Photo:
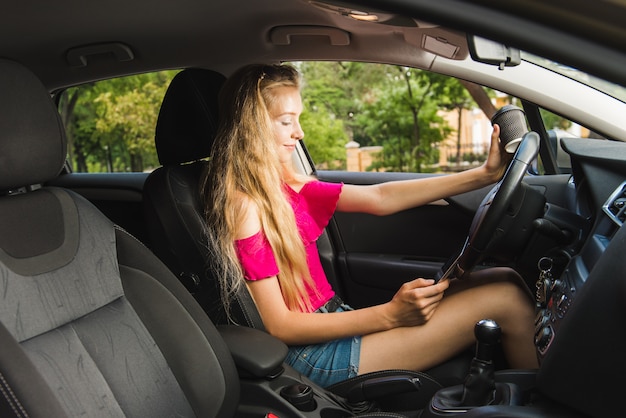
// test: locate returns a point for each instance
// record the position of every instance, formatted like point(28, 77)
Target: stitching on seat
point(250, 315)
point(246, 313)
point(12, 400)
point(125, 232)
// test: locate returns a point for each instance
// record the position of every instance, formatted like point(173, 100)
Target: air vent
point(615, 206)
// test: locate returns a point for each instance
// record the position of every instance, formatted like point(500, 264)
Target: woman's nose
point(298, 132)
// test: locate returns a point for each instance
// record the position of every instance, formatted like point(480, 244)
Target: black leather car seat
point(185, 130)
point(91, 323)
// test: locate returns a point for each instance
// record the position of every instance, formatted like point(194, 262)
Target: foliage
point(110, 124)
point(392, 106)
point(452, 97)
point(325, 137)
point(553, 121)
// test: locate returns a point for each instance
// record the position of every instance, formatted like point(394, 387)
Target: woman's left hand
point(498, 159)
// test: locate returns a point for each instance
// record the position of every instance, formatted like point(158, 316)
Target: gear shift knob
point(487, 333)
point(480, 386)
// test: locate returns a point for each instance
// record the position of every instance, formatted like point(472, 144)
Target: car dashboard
point(581, 285)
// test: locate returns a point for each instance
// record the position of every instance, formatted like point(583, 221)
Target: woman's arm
point(412, 305)
point(394, 196)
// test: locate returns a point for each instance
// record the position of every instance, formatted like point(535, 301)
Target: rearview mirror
point(493, 53)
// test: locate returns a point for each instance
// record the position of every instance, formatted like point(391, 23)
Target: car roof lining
point(141, 42)
point(174, 35)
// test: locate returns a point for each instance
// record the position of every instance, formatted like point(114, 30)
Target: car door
point(371, 256)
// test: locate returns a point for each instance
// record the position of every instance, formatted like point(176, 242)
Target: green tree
point(452, 96)
point(392, 106)
point(331, 93)
point(110, 124)
point(127, 122)
point(553, 121)
point(78, 114)
point(404, 120)
point(325, 137)
point(340, 88)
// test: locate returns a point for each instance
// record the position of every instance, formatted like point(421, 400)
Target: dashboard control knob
point(543, 338)
point(557, 286)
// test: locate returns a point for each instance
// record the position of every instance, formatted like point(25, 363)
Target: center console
point(564, 272)
point(272, 388)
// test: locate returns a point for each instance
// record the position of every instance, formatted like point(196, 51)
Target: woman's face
point(285, 114)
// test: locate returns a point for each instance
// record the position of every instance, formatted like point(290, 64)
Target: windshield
point(614, 90)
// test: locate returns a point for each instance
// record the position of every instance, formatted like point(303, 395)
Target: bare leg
point(498, 294)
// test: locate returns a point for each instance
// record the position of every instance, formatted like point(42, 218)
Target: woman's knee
point(506, 294)
point(506, 280)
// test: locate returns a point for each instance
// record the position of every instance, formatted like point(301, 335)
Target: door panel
point(382, 252)
point(374, 255)
point(118, 195)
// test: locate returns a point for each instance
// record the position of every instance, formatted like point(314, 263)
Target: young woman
point(265, 218)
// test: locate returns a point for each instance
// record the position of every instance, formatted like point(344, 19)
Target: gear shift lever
point(479, 387)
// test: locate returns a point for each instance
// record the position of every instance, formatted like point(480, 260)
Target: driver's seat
point(185, 130)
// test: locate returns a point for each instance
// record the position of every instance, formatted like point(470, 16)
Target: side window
point(110, 124)
point(557, 128)
point(376, 117)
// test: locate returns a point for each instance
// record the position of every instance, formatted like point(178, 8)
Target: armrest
point(378, 387)
point(256, 353)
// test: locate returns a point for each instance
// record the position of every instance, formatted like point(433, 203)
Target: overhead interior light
point(362, 16)
point(344, 9)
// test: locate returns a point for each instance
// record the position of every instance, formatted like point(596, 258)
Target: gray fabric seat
point(91, 322)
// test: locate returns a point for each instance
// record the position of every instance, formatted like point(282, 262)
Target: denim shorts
point(327, 363)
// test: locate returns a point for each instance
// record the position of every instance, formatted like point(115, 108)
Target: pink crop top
point(313, 208)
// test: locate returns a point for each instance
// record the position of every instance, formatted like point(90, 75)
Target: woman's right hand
point(415, 302)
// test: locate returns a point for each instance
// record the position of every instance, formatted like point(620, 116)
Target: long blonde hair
point(244, 160)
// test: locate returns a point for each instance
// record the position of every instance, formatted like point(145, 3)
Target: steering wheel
point(485, 227)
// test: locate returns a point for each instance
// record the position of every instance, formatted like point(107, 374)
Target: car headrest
point(188, 119)
point(32, 137)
